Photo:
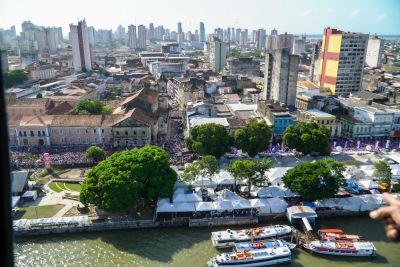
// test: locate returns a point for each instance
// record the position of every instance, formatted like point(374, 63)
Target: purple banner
point(358, 144)
point(387, 144)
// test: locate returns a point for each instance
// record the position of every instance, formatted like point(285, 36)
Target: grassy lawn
point(37, 212)
point(61, 186)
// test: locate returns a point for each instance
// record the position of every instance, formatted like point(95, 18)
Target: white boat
point(342, 248)
point(254, 254)
point(228, 238)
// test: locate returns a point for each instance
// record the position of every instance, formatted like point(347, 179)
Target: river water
point(182, 247)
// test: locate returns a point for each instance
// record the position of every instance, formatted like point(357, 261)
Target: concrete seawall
point(108, 225)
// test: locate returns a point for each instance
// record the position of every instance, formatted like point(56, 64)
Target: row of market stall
point(59, 221)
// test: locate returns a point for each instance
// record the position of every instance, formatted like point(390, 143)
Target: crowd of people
point(175, 147)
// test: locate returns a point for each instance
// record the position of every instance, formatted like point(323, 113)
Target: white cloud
point(354, 13)
point(381, 17)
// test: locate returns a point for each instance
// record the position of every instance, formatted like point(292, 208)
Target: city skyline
point(309, 16)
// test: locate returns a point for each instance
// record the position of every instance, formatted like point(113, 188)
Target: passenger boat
point(254, 254)
point(336, 234)
point(228, 238)
point(342, 248)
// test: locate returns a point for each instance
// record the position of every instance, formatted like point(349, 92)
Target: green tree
point(234, 53)
point(96, 153)
point(383, 172)
point(206, 167)
point(315, 180)
point(253, 138)
point(39, 95)
point(253, 171)
point(14, 77)
point(308, 137)
point(209, 139)
point(123, 178)
point(91, 107)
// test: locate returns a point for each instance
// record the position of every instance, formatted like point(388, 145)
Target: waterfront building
point(374, 52)
point(82, 60)
point(342, 61)
point(280, 74)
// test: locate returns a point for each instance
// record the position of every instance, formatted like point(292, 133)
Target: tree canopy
point(96, 153)
point(91, 107)
point(119, 181)
point(207, 166)
point(253, 138)
point(253, 171)
point(14, 77)
point(383, 172)
point(307, 137)
point(209, 139)
point(39, 95)
point(315, 180)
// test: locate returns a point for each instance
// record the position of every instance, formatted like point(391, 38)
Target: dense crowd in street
point(175, 147)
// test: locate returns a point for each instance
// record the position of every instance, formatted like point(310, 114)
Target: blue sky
point(294, 16)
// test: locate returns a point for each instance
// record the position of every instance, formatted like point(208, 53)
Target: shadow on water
point(159, 247)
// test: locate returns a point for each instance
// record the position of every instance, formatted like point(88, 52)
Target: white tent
point(367, 183)
point(204, 183)
point(327, 203)
point(368, 203)
point(368, 170)
point(222, 205)
point(186, 197)
point(227, 194)
point(350, 203)
point(165, 207)
point(275, 175)
point(205, 206)
point(277, 205)
point(225, 178)
point(262, 204)
point(162, 201)
point(270, 191)
point(184, 207)
point(241, 204)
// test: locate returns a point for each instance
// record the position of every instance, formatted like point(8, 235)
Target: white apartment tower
point(142, 36)
point(374, 52)
point(217, 55)
point(80, 47)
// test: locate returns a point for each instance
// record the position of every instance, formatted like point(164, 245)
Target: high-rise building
point(342, 61)
point(202, 32)
point(233, 36)
point(260, 39)
point(244, 36)
point(4, 60)
point(151, 32)
point(53, 38)
point(180, 28)
point(103, 36)
point(279, 41)
point(374, 52)
point(132, 37)
point(142, 36)
point(80, 47)
point(217, 56)
point(120, 33)
point(91, 35)
point(281, 70)
point(299, 45)
point(274, 32)
point(315, 51)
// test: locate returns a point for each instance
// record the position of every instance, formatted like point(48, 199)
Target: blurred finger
point(392, 234)
point(390, 199)
point(382, 213)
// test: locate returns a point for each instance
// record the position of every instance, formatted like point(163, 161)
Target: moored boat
point(337, 234)
point(253, 254)
point(229, 237)
point(342, 248)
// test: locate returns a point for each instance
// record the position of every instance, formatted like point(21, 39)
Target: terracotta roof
point(13, 120)
point(234, 122)
point(110, 120)
point(142, 116)
point(40, 120)
point(61, 108)
point(77, 120)
point(30, 102)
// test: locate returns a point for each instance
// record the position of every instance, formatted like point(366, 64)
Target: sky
point(292, 16)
